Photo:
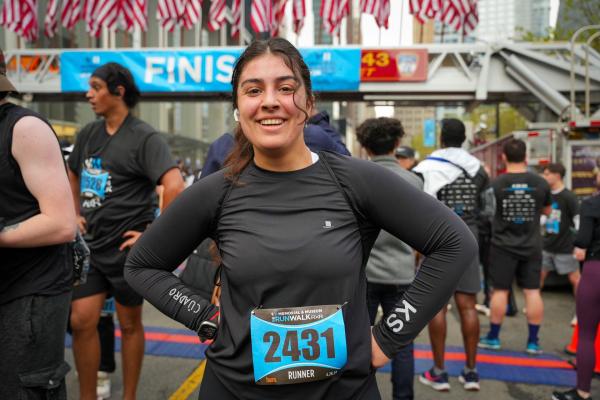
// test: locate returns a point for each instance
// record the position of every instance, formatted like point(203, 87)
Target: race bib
point(93, 184)
point(297, 345)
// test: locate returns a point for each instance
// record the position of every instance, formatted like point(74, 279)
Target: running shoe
point(533, 348)
point(491, 344)
point(482, 309)
point(568, 395)
point(574, 320)
point(437, 382)
point(103, 385)
point(469, 380)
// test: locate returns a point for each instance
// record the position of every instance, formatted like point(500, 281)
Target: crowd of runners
point(307, 268)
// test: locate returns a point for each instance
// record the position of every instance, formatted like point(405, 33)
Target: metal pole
point(587, 73)
point(572, 80)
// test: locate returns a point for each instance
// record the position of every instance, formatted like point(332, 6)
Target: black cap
point(405, 152)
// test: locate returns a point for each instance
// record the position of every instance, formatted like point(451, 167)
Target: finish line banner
point(157, 71)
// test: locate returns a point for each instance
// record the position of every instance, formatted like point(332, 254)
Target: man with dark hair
point(114, 168)
point(458, 180)
point(391, 266)
point(37, 219)
point(516, 244)
point(559, 228)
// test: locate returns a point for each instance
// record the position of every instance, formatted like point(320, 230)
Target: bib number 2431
point(300, 344)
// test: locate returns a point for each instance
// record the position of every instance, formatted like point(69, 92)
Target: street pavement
point(162, 377)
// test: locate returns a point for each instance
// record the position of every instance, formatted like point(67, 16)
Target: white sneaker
point(482, 309)
point(103, 385)
point(574, 320)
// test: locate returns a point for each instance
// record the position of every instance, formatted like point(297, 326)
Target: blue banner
point(429, 133)
point(198, 70)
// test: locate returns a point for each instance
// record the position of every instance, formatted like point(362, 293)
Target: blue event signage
point(202, 70)
point(429, 133)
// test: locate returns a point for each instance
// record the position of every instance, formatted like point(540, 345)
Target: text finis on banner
point(158, 71)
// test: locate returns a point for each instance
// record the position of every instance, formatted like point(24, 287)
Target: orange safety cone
point(571, 348)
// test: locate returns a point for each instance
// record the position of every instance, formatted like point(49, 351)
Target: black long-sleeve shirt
point(291, 239)
point(588, 236)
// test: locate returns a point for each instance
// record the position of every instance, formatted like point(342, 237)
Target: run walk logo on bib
point(95, 183)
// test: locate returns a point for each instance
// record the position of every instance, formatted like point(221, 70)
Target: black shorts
point(106, 276)
point(32, 347)
point(505, 266)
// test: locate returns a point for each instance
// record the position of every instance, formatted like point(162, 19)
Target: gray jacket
point(392, 261)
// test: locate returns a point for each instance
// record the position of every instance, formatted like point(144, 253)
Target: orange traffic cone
point(571, 348)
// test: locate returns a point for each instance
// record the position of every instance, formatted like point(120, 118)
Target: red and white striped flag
point(135, 13)
point(471, 20)
point(106, 16)
point(380, 9)
point(191, 13)
point(236, 18)
point(261, 15)
point(167, 13)
point(71, 12)
point(20, 16)
point(216, 15)
point(277, 16)
point(298, 14)
point(332, 12)
point(90, 10)
point(51, 20)
point(423, 10)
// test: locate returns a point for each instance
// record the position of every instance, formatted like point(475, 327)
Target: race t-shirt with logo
point(559, 229)
point(118, 175)
point(293, 318)
point(520, 199)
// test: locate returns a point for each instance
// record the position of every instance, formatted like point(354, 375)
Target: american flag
point(423, 10)
point(261, 15)
point(191, 13)
point(90, 10)
point(471, 19)
point(278, 13)
point(332, 12)
point(51, 20)
point(216, 15)
point(380, 9)
point(106, 15)
point(236, 18)
point(20, 16)
point(71, 12)
point(298, 14)
point(171, 13)
point(135, 13)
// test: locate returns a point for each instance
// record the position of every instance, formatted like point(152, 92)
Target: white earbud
point(236, 115)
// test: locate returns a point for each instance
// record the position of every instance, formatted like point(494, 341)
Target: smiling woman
point(294, 230)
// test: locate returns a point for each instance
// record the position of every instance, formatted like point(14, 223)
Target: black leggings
point(212, 388)
point(588, 318)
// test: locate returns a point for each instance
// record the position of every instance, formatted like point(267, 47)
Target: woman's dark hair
point(117, 75)
point(380, 135)
point(243, 152)
point(515, 151)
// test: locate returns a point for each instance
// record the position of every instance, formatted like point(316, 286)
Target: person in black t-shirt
point(37, 219)
point(560, 227)
point(294, 230)
point(516, 244)
point(114, 168)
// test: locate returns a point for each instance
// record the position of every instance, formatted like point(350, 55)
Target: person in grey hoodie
point(391, 265)
point(457, 179)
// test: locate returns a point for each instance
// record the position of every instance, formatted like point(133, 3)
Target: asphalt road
point(163, 376)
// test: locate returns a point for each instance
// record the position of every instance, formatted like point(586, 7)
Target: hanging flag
point(71, 12)
point(135, 13)
point(51, 20)
point(277, 16)
point(261, 15)
point(380, 9)
point(167, 13)
point(216, 15)
point(298, 14)
point(90, 10)
point(423, 10)
point(20, 16)
point(332, 12)
point(191, 13)
point(106, 15)
point(471, 20)
point(236, 18)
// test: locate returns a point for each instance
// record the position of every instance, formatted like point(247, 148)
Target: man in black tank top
point(114, 168)
point(37, 219)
